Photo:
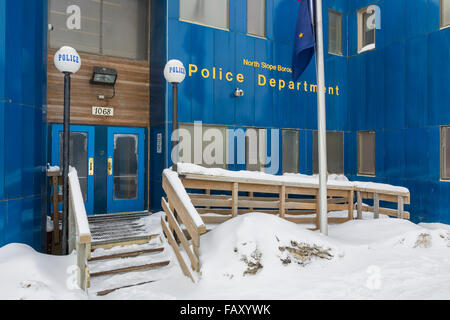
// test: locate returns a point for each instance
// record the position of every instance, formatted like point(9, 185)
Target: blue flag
point(304, 39)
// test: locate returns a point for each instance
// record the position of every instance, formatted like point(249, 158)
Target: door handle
point(91, 166)
point(109, 166)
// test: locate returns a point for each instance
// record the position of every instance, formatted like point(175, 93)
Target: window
point(115, 27)
point(445, 13)
point(205, 145)
point(256, 149)
point(366, 34)
point(78, 157)
point(445, 153)
point(334, 32)
point(366, 153)
point(212, 13)
point(256, 17)
point(335, 152)
point(125, 28)
point(125, 166)
point(290, 151)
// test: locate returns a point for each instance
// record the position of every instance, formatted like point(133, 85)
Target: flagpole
point(321, 119)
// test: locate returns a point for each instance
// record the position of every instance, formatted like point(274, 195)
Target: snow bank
point(334, 180)
point(27, 274)
point(261, 245)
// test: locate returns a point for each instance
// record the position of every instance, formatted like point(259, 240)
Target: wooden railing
point(79, 232)
point(55, 177)
point(183, 223)
point(379, 194)
point(219, 198)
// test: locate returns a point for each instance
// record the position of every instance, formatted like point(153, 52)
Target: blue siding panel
point(416, 90)
point(23, 55)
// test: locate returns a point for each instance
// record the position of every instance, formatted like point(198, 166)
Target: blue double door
point(110, 167)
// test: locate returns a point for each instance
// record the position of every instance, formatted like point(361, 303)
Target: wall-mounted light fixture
point(104, 76)
point(238, 92)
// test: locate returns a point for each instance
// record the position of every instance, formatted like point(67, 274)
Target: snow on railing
point(340, 192)
point(294, 179)
point(79, 232)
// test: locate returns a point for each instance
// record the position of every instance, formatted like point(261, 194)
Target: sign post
point(174, 72)
point(67, 61)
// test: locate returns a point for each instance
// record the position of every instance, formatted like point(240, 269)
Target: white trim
point(369, 47)
point(205, 25)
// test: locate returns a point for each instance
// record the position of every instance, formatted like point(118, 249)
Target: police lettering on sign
point(174, 72)
point(67, 59)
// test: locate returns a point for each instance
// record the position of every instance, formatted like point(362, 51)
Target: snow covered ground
point(27, 274)
point(259, 256)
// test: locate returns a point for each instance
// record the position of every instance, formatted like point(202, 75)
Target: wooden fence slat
point(400, 207)
point(317, 210)
point(300, 205)
point(359, 204)
point(350, 205)
point(174, 245)
point(179, 232)
point(282, 201)
point(250, 197)
point(215, 219)
point(259, 204)
point(387, 211)
point(212, 202)
point(376, 205)
point(235, 197)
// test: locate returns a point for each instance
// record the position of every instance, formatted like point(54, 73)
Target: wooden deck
point(217, 199)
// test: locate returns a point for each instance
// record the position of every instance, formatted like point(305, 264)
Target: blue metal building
point(399, 89)
point(393, 84)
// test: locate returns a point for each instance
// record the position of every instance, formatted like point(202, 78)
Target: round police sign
point(67, 59)
point(174, 72)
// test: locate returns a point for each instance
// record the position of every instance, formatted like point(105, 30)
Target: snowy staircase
point(125, 253)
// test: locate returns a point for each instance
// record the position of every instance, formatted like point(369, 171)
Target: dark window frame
point(265, 23)
point(147, 60)
point(441, 15)
point(443, 158)
point(314, 165)
point(361, 33)
point(340, 15)
point(207, 25)
point(184, 125)
point(359, 154)
point(297, 153)
point(261, 167)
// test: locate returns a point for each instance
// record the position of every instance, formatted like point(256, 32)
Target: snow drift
point(26, 274)
point(258, 244)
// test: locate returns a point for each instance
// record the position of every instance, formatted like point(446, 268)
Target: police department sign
point(174, 72)
point(67, 59)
